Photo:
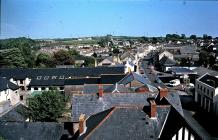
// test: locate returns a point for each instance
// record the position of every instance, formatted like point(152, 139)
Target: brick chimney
point(163, 92)
point(100, 90)
point(153, 109)
point(82, 124)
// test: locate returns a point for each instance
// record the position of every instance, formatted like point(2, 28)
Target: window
point(61, 88)
point(21, 97)
point(204, 89)
point(43, 88)
point(35, 88)
point(198, 86)
point(211, 93)
point(208, 92)
point(21, 81)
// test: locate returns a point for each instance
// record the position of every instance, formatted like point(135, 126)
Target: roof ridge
point(108, 115)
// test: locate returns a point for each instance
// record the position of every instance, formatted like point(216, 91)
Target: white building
point(206, 93)
point(8, 94)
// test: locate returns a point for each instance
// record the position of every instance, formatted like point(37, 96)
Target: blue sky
point(78, 18)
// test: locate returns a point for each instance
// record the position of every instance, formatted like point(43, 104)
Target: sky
point(80, 18)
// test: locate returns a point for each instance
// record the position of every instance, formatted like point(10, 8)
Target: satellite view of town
point(108, 70)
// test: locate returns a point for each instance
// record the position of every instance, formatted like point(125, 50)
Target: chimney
point(163, 92)
point(100, 90)
point(82, 124)
point(153, 109)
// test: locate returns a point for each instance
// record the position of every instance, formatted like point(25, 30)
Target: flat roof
point(182, 71)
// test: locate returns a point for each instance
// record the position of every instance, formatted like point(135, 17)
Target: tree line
point(23, 52)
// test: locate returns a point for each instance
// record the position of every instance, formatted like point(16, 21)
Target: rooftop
point(209, 80)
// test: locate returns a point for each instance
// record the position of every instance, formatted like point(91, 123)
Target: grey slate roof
point(201, 71)
point(14, 115)
point(127, 123)
point(22, 73)
point(90, 104)
point(167, 61)
point(6, 84)
point(116, 88)
point(93, 88)
point(133, 76)
point(178, 70)
point(32, 130)
point(111, 78)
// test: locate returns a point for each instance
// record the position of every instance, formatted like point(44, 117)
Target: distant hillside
point(16, 42)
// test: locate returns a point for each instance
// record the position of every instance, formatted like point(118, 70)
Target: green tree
point(194, 37)
point(212, 60)
point(46, 107)
point(116, 51)
point(44, 60)
point(63, 57)
point(203, 60)
point(73, 52)
point(12, 58)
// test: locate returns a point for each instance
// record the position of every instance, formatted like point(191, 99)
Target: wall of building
point(11, 95)
point(204, 95)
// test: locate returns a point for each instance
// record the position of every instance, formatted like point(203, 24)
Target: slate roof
point(14, 114)
point(111, 78)
point(90, 89)
point(6, 84)
point(133, 76)
point(209, 80)
point(126, 123)
point(201, 71)
point(32, 130)
point(167, 61)
point(181, 70)
point(90, 104)
point(82, 81)
point(116, 88)
point(22, 73)
point(51, 82)
point(127, 55)
point(188, 49)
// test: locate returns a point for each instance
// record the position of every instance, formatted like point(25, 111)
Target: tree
point(63, 57)
point(44, 60)
point(73, 52)
point(46, 107)
point(194, 37)
point(116, 51)
point(12, 58)
point(203, 60)
point(212, 60)
point(95, 55)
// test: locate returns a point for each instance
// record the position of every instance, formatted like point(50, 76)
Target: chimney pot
point(82, 124)
point(100, 91)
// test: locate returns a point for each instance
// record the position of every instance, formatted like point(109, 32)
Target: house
point(157, 118)
point(109, 61)
point(134, 81)
point(91, 104)
point(127, 56)
point(43, 79)
point(8, 94)
point(166, 63)
point(183, 73)
point(206, 93)
point(165, 53)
